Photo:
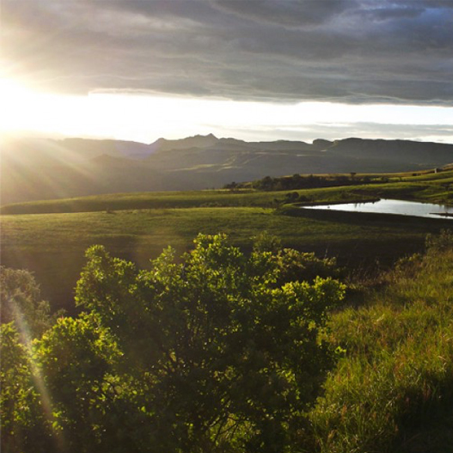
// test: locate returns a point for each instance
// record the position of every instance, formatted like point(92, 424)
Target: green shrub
point(216, 352)
point(22, 303)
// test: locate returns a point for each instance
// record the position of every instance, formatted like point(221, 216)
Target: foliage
point(295, 265)
point(21, 302)
point(53, 245)
point(24, 427)
point(297, 182)
point(223, 352)
point(24, 408)
point(438, 243)
point(291, 265)
point(75, 358)
point(215, 352)
point(265, 242)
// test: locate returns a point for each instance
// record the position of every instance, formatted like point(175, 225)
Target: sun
point(92, 115)
point(14, 101)
point(26, 110)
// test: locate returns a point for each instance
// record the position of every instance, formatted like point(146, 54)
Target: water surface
point(385, 206)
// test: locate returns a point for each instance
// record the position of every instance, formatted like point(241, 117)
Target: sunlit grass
point(426, 187)
point(50, 237)
point(53, 245)
point(393, 390)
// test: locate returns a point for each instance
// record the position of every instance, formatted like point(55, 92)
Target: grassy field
point(392, 391)
point(50, 237)
point(429, 187)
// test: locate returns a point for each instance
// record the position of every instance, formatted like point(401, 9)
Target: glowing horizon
point(145, 117)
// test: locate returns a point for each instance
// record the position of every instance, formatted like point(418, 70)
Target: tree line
point(297, 181)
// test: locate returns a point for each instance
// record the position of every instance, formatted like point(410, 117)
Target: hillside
point(49, 237)
point(346, 365)
point(391, 390)
point(36, 169)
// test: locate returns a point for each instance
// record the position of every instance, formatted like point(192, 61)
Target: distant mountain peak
point(194, 162)
point(321, 142)
point(199, 137)
point(196, 141)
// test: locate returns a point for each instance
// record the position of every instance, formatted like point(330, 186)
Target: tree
point(76, 357)
point(24, 424)
point(22, 303)
point(24, 316)
point(215, 352)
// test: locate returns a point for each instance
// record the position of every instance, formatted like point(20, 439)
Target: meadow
point(391, 390)
point(426, 186)
point(389, 387)
point(50, 237)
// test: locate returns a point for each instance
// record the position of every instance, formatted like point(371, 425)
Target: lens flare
point(38, 379)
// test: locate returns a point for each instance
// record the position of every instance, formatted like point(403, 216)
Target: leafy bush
point(22, 303)
point(24, 426)
point(215, 352)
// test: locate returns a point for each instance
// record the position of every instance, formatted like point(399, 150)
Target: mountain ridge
point(32, 169)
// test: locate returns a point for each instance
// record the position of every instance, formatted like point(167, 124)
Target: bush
point(215, 352)
point(22, 303)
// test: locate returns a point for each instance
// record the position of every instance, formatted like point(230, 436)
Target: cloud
point(294, 13)
point(354, 51)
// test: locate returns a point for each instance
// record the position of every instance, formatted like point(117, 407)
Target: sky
point(249, 69)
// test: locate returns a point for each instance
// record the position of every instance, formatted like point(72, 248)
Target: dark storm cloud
point(384, 14)
point(293, 13)
point(353, 51)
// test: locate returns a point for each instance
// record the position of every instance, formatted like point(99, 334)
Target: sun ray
point(147, 116)
point(38, 379)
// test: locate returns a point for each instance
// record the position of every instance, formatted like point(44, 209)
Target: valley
point(38, 169)
point(50, 237)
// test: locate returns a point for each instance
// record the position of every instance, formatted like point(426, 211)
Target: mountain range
point(37, 168)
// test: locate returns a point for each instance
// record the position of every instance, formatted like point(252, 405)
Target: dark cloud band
point(354, 51)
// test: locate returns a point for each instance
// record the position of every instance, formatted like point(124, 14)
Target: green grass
point(145, 200)
point(433, 187)
point(50, 237)
point(177, 227)
point(53, 245)
point(393, 390)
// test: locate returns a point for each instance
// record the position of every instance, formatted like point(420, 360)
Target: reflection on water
point(393, 207)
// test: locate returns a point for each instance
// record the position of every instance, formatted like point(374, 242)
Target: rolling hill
point(35, 169)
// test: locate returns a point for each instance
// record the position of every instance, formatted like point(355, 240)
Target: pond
point(385, 206)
